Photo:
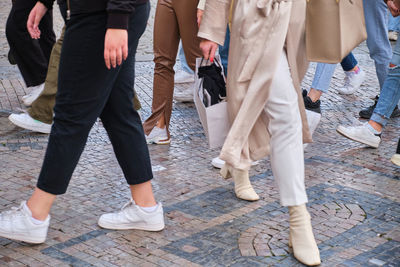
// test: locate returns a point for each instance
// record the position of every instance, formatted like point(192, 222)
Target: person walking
point(174, 20)
point(39, 116)
point(266, 65)
point(370, 132)
point(32, 56)
point(94, 70)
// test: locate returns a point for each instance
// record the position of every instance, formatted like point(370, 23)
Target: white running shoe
point(360, 134)
point(219, 163)
point(132, 216)
point(33, 95)
point(352, 82)
point(182, 76)
point(158, 136)
point(25, 121)
point(17, 224)
point(185, 95)
point(393, 35)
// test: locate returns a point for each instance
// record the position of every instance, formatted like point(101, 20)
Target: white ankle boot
point(301, 237)
point(243, 188)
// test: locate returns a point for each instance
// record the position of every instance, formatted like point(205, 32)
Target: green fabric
point(42, 107)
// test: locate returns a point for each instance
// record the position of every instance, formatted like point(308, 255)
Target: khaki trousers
point(42, 107)
point(174, 20)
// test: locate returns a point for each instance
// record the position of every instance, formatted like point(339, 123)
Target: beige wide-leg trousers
point(286, 138)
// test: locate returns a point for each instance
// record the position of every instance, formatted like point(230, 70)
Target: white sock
point(33, 220)
point(149, 209)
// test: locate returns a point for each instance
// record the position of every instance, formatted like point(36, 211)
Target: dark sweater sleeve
point(119, 12)
point(47, 3)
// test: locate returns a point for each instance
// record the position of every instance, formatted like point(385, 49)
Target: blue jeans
point(223, 52)
point(394, 23)
point(324, 72)
point(376, 20)
point(390, 93)
point(182, 59)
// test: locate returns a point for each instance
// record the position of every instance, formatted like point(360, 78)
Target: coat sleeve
point(47, 3)
point(118, 13)
point(215, 20)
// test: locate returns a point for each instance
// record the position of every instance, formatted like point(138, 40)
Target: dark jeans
point(32, 56)
point(349, 62)
point(88, 90)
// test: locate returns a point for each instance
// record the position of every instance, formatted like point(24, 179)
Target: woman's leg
point(186, 14)
point(287, 161)
point(166, 42)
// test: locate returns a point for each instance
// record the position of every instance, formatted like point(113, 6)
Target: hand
point(393, 9)
point(208, 48)
point(199, 16)
point(115, 47)
point(36, 15)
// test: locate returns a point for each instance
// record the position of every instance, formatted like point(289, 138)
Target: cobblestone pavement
point(353, 191)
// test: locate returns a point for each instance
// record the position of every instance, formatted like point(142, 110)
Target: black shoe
point(367, 113)
point(310, 105)
point(398, 147)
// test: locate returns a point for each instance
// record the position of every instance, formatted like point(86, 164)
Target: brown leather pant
point(174, 20)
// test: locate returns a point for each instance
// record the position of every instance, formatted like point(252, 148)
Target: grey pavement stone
point(353, 190)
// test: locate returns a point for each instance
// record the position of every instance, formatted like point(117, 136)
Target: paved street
point(353, 191)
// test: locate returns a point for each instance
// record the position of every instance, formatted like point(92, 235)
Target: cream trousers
point(285, 129)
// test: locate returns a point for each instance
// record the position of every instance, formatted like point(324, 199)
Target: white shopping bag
point(214, 119)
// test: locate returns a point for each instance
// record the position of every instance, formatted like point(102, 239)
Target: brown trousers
point(174, 20)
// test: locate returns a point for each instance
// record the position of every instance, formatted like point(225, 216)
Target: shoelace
point(127, 204)
point(13, 212)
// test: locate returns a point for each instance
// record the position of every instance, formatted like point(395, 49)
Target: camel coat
point(261, 29)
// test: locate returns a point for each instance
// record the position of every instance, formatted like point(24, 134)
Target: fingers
point(107, 58)
point(125, 52)
point(33, 25)
point(212, 52)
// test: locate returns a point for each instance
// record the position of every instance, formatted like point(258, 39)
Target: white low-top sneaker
point(360, 134)
point(352, 82)
point(185, 95)
point(182, 76)
point(132, 216)
point(33, 95)
point(25, 121)
point(17, 224)
point(158, 136)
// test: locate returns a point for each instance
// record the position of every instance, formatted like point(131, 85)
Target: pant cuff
point(379, 119)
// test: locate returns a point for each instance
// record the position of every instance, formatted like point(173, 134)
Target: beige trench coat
point(260, 30)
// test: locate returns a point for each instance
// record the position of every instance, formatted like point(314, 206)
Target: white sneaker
point(158, 136)
point(360, 134)
point(182, 76)
point(185, 95)
point(33, 95)
point(393, 35)
point(352, 82)
point(25, 121)
point(17, 224)
point(132, 216)
point(219, 163)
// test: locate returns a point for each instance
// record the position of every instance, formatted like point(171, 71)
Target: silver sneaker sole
point(25, 238)
point(132, 226)
point(40, 129)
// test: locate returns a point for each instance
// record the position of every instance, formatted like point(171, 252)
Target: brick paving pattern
point(353, 190)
